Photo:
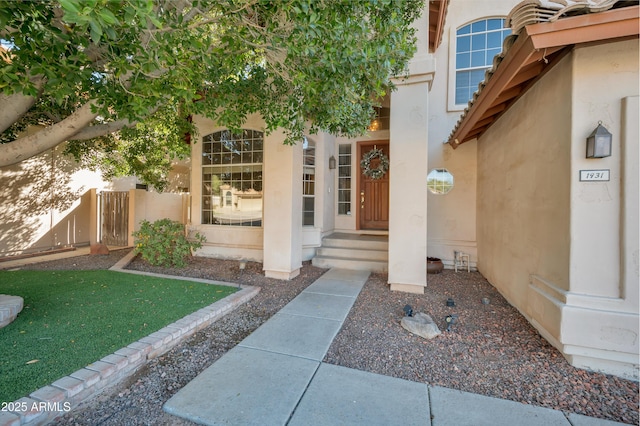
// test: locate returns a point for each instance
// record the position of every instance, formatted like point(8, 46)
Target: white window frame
point(309, 180)
point(451, 90)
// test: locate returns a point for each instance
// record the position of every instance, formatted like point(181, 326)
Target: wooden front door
point(373, 193)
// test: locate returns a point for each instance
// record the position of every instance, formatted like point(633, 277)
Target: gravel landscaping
point(490, 350)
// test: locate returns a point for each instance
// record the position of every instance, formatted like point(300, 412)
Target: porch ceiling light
point(599, 142)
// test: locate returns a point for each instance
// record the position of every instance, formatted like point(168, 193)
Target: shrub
point(164, 243)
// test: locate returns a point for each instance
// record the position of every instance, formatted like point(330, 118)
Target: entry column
point(408, 172)
point(282, 226)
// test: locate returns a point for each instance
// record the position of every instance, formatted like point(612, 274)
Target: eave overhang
point(437, 16)
point(534, 52)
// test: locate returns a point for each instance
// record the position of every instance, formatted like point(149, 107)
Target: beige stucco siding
point(451, 217)
point(603, 76)
point(45, 202)
point(560, 249)
point(524, 190)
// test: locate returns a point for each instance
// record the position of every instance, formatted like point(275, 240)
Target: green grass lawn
point(73, 318)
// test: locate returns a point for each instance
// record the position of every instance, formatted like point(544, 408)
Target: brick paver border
point(63, 395)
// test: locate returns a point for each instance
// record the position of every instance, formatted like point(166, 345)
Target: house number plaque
point(594, 175)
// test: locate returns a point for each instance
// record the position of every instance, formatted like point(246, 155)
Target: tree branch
point(29, 146)
point(13, 107)
point(98, 130)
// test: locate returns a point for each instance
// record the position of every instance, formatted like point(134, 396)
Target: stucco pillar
point(408, 171)
point(282, 226)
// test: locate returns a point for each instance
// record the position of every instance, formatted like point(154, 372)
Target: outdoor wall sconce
point(332, 162)
point(599, 142)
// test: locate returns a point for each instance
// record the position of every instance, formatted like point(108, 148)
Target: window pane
point(344, 195)
point(463, 44)
point(307, 219)
point(463, 60)
point(478, 59)
point(494, 40)
point(462, 78)
point(464, 30)
point(479, 26)
point(344, 149)
point(495, 24)
point(479, 41)
point(463, 95)
point(232, 195)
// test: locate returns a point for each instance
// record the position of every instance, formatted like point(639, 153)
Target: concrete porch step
point(354, 264)
point(356, 241)
point(363, 252)
point(353, 253)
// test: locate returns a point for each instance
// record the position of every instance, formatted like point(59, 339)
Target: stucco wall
point(45, 203)
point(451, 217)
point(603, 76)
point(553, 245)
point(524, 190)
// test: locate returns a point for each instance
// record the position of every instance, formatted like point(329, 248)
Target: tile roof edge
point(542, 14)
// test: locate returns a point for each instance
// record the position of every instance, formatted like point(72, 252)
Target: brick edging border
point(63, 395)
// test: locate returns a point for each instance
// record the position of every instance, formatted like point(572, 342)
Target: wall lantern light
point(332, 162)
point(599, 142)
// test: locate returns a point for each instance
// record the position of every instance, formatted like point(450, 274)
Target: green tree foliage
point(84, 69)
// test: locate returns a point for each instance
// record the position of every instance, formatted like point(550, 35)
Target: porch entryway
point(365, 252)
point(373, 211)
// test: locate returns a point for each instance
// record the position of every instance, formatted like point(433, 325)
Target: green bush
point(164, 243)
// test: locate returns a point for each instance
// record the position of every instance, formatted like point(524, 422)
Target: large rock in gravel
point(10, 306)
point(422, 325)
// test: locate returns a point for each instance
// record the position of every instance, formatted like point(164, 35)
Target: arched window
point(475, 46)
point(232, 178)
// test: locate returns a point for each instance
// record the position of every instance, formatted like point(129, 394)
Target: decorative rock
point(99, 248)
point(10, 306)
point(422, 325)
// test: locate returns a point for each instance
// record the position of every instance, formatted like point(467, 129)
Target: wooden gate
point(115, 218)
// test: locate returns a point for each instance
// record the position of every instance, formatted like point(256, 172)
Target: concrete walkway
point(276, 377)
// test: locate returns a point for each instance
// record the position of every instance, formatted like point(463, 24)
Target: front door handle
point(362, 199)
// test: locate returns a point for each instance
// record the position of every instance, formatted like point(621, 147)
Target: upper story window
point(475, 46)
point(232, 178)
